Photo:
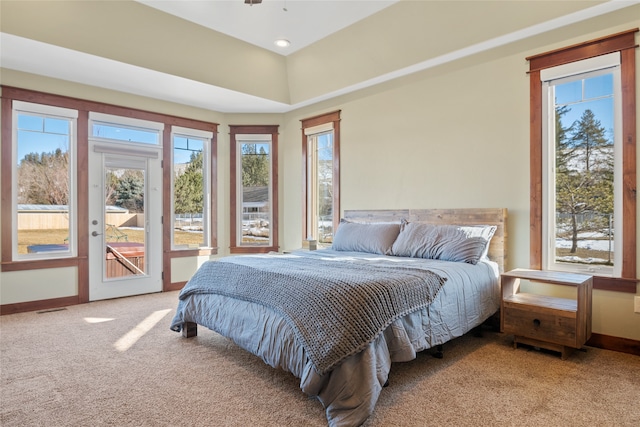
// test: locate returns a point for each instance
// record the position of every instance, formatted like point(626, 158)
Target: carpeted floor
point(116, 363)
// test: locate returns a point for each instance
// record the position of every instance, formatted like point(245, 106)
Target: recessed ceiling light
point(282, 43)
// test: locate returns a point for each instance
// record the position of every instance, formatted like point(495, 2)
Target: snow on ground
point(585, 243)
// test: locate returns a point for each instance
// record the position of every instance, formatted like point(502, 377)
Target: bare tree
point(43, 178)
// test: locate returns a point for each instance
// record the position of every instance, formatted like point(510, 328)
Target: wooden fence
point(60, 220)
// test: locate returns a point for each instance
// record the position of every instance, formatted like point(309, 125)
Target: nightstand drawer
point(554, 326)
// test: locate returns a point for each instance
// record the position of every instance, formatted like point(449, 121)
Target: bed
point(394, 283)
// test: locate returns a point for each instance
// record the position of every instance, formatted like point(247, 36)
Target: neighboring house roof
point(255, 195)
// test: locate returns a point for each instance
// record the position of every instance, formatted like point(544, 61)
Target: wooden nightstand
point(557, 324)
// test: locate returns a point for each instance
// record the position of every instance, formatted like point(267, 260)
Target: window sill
point(615, 284)
point(40, 264)
point(252, 249)
point(178, 253)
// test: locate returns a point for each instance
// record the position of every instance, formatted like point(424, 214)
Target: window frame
point(236, 179)
point(332, 118)
point(624, 43)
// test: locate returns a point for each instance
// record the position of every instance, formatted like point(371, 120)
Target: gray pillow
point(445, 242)
point(417, 240)
point(482, 232)
point(375, 238)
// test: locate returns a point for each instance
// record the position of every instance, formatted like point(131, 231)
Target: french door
point(125, 220)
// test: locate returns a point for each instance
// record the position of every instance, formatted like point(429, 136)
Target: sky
point(46, 134)
point(595, 93)
point(31, 138)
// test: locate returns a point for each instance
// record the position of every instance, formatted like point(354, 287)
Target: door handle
point(95, 233)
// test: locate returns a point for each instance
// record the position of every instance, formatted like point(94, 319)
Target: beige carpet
point(116, 363)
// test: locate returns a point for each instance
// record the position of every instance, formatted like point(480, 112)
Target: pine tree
point(589, 139)
point(189, 187)
point(130, 191)
point(584, 175)
point(564, 153)
point(255, 166)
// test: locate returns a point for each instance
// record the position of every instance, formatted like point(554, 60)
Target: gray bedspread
point(349, 392)
point(334, 309)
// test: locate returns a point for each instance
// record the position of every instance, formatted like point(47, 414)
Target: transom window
point(125, 129)
point(124, 133)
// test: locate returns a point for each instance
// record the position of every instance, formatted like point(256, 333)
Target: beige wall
point(453, 136)
point(406, 33)
point(133, 33)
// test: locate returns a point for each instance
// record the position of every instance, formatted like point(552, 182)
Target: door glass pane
point(43, 188)
point(188, 192)
point(256, 206)
point(124, 233)
point(320, 191)
point(584, 172)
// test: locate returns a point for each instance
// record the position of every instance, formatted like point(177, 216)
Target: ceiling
point(302, 22)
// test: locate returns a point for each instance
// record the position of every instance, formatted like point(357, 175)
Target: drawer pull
point(536, 322)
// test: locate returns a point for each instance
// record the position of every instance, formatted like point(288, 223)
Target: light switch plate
point(636, 308)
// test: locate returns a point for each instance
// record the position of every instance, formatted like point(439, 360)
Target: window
point(191, 185)
point(583, 161)
point(44, 199)
point(124, 133)
point(254, 183)
point(320, 150)
point(582, 166)
point(33, 122)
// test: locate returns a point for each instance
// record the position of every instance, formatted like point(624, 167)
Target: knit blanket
point(334, 308)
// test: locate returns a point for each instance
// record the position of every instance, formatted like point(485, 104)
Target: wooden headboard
point(462, 216)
